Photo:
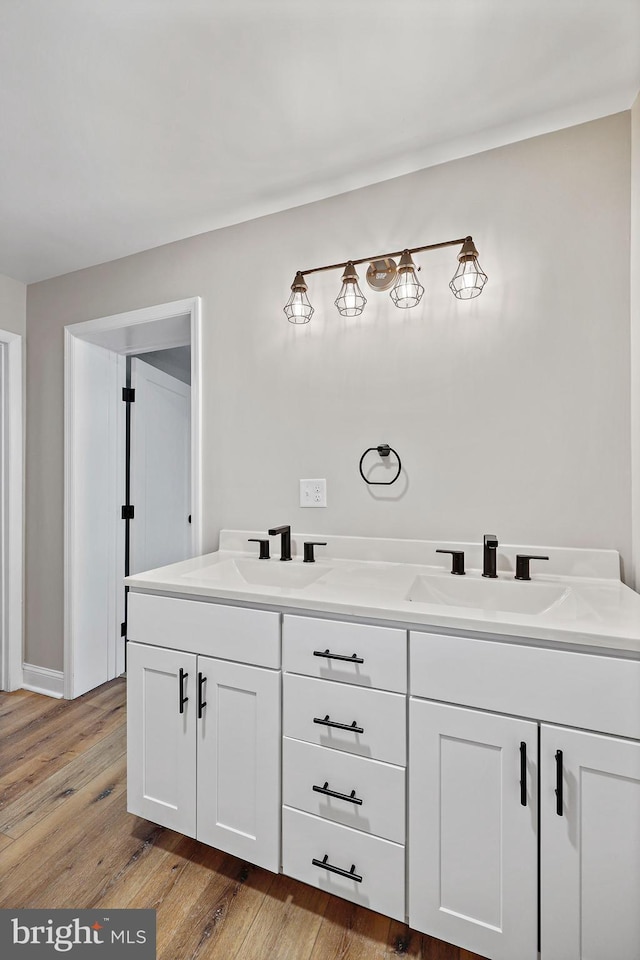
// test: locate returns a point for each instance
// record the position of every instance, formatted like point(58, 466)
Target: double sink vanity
point(455, 750)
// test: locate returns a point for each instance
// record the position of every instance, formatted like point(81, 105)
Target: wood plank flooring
point(66, 840)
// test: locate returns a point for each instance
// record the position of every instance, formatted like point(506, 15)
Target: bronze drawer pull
point(350, 874)
point(354, 658)
point(339, 726)
point(182, 697)
point(339, 796)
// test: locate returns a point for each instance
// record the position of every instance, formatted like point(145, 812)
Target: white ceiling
point(125, 124)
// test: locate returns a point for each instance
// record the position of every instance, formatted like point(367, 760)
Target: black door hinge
point(123, 628)
point(128, 394)
point(127, 512)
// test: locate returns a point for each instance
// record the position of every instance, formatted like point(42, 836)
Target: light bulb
point(298, 309)
point(350, 301)
point(407, 290)
point(469, 278)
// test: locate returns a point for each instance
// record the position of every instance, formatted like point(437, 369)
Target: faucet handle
point(264, 547)
point(522, 565)
point(457, 561)
point(308, 550)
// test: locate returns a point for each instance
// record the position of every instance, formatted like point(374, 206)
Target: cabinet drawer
point(379, 863)
point(560, 686)
point(311, 706)
point(212, 629)
point(313, 647)
point(379, 786)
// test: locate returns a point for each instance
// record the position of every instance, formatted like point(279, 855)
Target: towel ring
point(384, 450)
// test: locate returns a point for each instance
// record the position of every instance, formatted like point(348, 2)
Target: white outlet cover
point(313, 493)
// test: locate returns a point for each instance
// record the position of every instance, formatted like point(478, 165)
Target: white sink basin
point(292, 574)
point(495, 596)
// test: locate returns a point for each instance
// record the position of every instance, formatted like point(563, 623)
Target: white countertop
point(577, 595)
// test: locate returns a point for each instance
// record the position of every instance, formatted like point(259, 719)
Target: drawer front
point(313, 647)
point(379, 863)
point(380, 788)
point(560, 686)
point(212, 629)
point(311, 706)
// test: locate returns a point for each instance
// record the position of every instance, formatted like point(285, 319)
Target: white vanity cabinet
point(344, 760)
point(473, 824)
point(514, 788)
point(204, 734)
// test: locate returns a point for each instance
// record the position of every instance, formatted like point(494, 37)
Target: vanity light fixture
point(383, 273)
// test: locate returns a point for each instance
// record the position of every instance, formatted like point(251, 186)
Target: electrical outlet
point(313, 493)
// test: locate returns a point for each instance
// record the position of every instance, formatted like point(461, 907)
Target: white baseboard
point(43, 680)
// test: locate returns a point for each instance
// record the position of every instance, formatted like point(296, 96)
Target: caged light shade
point(407, 290)
point(298, 309)
point(469, 278)
point(350, 301)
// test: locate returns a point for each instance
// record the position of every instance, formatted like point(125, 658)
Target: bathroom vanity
point(459, 753)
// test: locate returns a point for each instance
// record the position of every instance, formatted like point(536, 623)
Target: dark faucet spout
point(285, 540)
point(489, 557)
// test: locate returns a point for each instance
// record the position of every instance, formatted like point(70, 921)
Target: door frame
point(137, 331)
point(11, 504)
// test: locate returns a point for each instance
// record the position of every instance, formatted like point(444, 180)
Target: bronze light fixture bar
point(384, 256)
point(383, 273)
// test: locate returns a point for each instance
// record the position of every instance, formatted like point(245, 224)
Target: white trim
point(69, 525)
point(196, 426)
point(43, 680)
point(632, 576)
point(103, 331)
point(116, 666)
point(12, 496)
point(90, 329)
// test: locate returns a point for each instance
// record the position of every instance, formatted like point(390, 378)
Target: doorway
point(98, 354)
point(158, 458)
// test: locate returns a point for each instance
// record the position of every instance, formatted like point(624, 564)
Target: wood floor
point(66, 840)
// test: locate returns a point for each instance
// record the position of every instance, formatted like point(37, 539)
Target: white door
point(590, 846)
point(473, 829)
point(94, 547)
point(239, 760)
point(160, 532)
point(161, 736)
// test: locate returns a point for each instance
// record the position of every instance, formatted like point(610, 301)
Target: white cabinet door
point(472, 841)
point(161, 736)
point(239, 761)
point(590, 846)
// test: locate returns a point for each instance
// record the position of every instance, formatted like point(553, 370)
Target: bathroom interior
point(364, 679)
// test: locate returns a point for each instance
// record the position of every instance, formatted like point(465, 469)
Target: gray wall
point(13, 305)
point(175, 361)
point(511, 411)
